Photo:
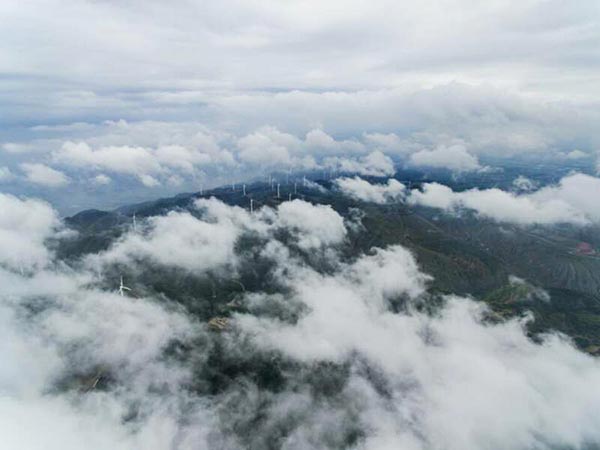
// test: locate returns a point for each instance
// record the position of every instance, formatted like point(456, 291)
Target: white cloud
point(375, 164)
point(267, 146)
point(181, 240)
point(148, 180)
point(318, 141)
point(577, 190)
point(315, 225)
point(121, 159)
point(445, 377)
point(571, 201)
point(193, 154)
point(454, 157)
point(147, 164)
point(361, 189)
point(577, 154)
point(102, 179)
point(524, 184)
point(84, 334)
point(24, 227)
point(44, 175)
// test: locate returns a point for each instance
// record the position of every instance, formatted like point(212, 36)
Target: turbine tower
point(278, 196)
point(251, 206)
point(134, 224)
point(244, 188)
point(123, 288)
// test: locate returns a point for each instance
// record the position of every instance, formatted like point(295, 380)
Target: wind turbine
point(304, 181)
point(295, 188)
point(278, 196)
point(134, 224)
point(123, 288)
point(290, 197)
point(233, 187)
point(251, 205)
point(244, 188)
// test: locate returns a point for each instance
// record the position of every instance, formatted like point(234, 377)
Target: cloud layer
point(126, 372)
point(570, 201)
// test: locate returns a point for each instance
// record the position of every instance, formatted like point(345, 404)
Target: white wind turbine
point(244, 188)
point(278, 196)
point(134, 224)
point(123, 288)
point(251, 205)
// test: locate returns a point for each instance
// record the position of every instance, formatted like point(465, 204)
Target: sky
point(171, 97)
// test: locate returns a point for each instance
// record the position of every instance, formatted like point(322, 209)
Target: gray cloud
point(44, 175)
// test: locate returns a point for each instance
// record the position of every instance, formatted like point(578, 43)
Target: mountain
point(465, 254)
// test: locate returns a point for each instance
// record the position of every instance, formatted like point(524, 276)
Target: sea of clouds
point(365, 358)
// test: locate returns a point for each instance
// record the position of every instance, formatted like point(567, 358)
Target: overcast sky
point(501, 77)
